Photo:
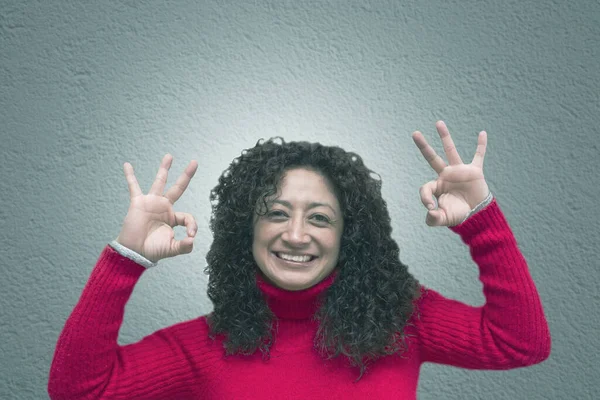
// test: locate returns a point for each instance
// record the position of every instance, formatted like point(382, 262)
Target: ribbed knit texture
point(181, 362)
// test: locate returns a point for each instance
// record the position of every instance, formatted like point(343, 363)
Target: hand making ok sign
point(148, 226)
point(459, 187)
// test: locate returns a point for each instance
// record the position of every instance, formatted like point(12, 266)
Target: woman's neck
point(290, 304)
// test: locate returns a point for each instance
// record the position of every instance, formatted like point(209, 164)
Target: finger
point(480, 152)
point(175, 191)
point(132, 183)
point(427, 192)
point(436, 162)
point(187, 220)
point(448, 143)
point(161, 176)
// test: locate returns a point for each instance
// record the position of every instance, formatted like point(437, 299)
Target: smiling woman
point(288, 199)
point(297, 242)
point(310, 297)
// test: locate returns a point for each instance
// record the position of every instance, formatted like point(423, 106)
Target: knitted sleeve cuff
point(132, 255)
point(479, 206)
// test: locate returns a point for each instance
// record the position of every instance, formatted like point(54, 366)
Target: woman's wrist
point(132, 255)
point(479, 206)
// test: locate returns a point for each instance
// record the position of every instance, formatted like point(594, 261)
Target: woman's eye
point(321, 218)
point(276, 214)
point(279, 215)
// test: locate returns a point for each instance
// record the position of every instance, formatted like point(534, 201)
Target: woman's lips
point(295, 263)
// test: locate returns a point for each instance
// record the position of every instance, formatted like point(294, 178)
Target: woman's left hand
point(459, 187)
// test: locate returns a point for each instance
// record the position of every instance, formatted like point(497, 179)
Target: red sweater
point(181, 362)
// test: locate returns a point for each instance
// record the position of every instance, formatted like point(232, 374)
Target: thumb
point(183, 246)
point(434, 217)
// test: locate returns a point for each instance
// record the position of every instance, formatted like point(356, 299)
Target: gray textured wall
point(85, 86)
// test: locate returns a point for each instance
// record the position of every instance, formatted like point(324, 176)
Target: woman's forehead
point(301, 182)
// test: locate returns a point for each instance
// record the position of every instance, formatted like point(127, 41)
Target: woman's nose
point(295, 232)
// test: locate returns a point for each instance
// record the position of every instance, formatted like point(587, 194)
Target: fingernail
point(430, 206)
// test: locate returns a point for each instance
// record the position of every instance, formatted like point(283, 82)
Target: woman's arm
point(89, 364)
point(510, 330)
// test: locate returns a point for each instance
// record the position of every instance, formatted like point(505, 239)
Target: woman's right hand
point(148, 226)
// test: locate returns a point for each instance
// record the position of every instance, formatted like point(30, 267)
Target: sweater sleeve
point(510, 329)
point(88, 362)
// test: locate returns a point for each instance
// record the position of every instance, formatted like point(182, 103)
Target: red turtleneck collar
point(300, 304)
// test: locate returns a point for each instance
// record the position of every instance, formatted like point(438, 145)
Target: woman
point(310, 297)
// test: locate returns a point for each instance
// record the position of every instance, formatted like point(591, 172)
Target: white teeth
point(294, 258)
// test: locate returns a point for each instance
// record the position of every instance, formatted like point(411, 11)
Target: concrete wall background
point(85, 86)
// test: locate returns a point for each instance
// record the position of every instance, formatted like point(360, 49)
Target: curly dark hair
point(365, 310)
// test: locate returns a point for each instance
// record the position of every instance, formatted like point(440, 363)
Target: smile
point(299, 260)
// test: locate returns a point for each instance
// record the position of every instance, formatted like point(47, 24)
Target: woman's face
point(297, 243)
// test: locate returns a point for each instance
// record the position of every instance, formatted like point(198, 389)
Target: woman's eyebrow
point(310, 205)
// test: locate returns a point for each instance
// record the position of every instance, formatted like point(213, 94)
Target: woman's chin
point(296, 281)
point(293, 285)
